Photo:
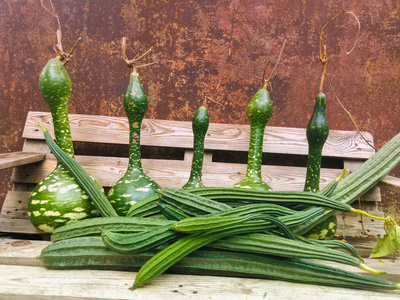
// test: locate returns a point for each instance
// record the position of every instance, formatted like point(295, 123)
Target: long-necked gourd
point(259, 111)
point(317, 133)
point(58, 199)
point(199, 126)
point(135, 185)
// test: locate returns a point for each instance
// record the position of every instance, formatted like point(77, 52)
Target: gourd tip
point(373, 271)
point(41, 126)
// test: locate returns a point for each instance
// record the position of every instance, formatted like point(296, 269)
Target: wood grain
point(13, 159)
point(390, 183)
point(174, 173)
point(22, 277)
point(178, 134)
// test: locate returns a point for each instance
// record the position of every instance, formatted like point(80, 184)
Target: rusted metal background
point(206, 48)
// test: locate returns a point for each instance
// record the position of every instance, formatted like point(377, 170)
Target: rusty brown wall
point(206, 49)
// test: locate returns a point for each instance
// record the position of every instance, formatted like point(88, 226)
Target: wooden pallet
point(225, 145)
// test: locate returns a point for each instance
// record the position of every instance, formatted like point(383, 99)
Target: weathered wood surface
point(174, 173)
point(178, 134)
point(23, 277)
point(391, 183)
point(13, 159)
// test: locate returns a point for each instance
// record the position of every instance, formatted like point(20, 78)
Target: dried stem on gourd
point(266, 82)
point(131, 62)
point(349, 114)
point(65, 57)
point(323, 57)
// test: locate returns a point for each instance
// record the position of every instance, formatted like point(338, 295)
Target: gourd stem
point(368, 215)
point(371, 270)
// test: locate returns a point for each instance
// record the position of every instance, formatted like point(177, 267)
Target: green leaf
point(388, 244)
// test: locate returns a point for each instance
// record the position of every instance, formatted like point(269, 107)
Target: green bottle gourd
point(317, 133)
point(58, 199)
point(259, 111)
point(200, 126)
point(135, 185)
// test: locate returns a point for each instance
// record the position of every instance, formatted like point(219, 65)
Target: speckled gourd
point(317, 133)
point(200, 126)
point(58, 199)
point(259, 111)
point(135, 185)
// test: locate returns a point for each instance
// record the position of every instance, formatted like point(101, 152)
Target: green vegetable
point(191, 204)
point(138, 242)
point(217, 222)
point(58, 199)
point(294, 270)
point(333, 244)
point(276, 197)
point(279, 246)
point(171, 212)
point(135, 185)
point(84, 180)
point(145, 208)
point(259, 111)
point(200, 127)
point(90, 253)
point(116, 224)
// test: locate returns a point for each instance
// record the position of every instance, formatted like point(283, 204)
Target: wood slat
point(233, 137)
point(23, 277)
point(13, 159)
point(390, 183)
point(173, 173)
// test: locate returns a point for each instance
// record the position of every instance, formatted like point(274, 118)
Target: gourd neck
point(254, 160)
point(313, 170)
point(135, 157)
point(62, 129)
point(198, 157)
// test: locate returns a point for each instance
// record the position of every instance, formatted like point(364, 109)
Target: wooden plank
point(20, 282)
point(349, 224)
point(189, 156)
point(390, 183)
point(17, 226)
point(233, 137)
point(174, 173)
point(21, 252)
point(13, 159)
